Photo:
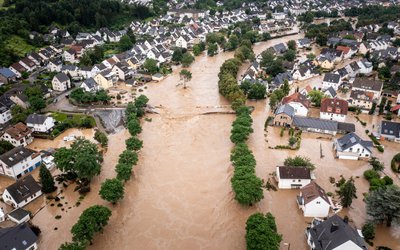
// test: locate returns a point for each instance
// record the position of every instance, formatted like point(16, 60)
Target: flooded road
point(181, 196)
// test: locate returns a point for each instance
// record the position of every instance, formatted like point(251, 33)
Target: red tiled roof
point(297, 97)
point(335, 106)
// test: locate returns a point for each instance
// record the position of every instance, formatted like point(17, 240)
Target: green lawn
point(18, 45)
point(61, 117)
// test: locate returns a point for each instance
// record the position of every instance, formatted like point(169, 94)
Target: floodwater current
point(181, 196)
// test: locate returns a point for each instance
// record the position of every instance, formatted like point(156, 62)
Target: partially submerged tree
point(134, 143)
point(383, 205)
point(112, 190)
point(185, 76)
point(124, 171)
point(347, 192)
point(299, 161)
point(46, 180)
point(261, 232)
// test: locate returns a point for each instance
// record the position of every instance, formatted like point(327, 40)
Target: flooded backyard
point(181, 196)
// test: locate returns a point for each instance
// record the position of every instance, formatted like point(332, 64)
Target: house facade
point(40, 123)
point(22, 192)
point(352, 147)
point(292, 177)
point(5, 114)
point(19, 237)
point(334, 109)
point(61, 82)
point(368, 85)
point(18, 135)
point(283, 116)
point(19, 161)
point(298, 102)
point(314, 201)
point(390, 130)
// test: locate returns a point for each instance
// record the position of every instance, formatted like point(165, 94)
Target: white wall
point(8, 199)
point(316, 208)
point(288, 183)
point(22, 167)
point(333, 117)
point(299, 108)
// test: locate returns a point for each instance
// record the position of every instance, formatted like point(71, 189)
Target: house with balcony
point(19, 161)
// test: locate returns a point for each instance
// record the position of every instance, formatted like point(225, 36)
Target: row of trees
point(262, 233)
point(246, 185)
point(84, 97)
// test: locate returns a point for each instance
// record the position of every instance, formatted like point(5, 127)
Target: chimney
point(334, 227)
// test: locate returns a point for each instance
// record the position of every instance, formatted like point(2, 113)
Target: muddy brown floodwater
point(181, 196)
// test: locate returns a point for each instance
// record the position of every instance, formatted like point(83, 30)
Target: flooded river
point(181, 196)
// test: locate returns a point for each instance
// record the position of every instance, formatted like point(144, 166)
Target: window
point(299, 180)
point(318, 202)
point(293, 180)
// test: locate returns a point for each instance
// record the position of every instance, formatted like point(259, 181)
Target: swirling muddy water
point(180, 196)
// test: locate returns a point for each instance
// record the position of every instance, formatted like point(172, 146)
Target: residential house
point(352, 147)
point(390, 130)
point(28, 64)
point(280, 48)
point(19, 237)
point(279, 80)
point(303, 43)
point(330, 92)
point(331, 80)
point(19, 216)
point(299, 102)
point(303, 73)
point(306, 90)
point(5, 114)
point(106, 79)
point(90, 85)
point(334, 109)
point(361, 99)
point(368, 85)
point(322, 126)
point(55, 65)
point(72, 71)
point(40, 123)
point(20, 99)
point(334, 233)
point(61, 82)
point(18, 135)
point(293, 177)
point(22, 192)
point(122, 70)
point(326, 63)
point(70, 56)
point(181, 42)
point(19, 161)
point(314, 201)
point(18, 69)
point(284, 115)
point(7, 76)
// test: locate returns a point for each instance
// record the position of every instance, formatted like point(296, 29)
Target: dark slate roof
point(334, 232)
point(18, 214)
point(23, 188)
point(19, 237)
point(390, 128)
point(90, 83)
point(331, 91)
point(285, 109)
point(342, 72)
point(351, 139)
point(315, 123)
point(16, 155)
point(367, 84)
point(332, 78)
point(294, 173)
point(346, 127)
point(62, 77)
point(36, 119)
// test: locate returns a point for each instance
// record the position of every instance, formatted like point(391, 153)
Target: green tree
point(347, 192)
point(5, 146)
point(299, 161)
point(261, 232)
point(81, 245)
point(316, 97)
point(290, 55)
point(247, 187)
point(291, 45)
point(46, 180)
point(134, 127)
point(383, 205)
point(286, 88)
point(112, 190)
point(186, 76)
point(376, 164)
point(131, 36)
point(125, 43)
point(124, 171)
point(83, 158)
point(91, 221)
point(257, 91)
point(37, 103)
point(212, 49)
point(311, 56)
point(134, 143)
point(128, 157)
point(151, 65)
point(177, 55)
point(198, 48)
point(368, 231)
point(101, 138)
point(187, 59)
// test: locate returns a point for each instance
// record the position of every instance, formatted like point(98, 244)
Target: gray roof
point(367, 84)
point(332, 78)
point(16, 155)
point(23, 188)
point(390, 128)
point(347, 141)
point(334, 232)
point(294, 173)
point(36, 119)
point(315, 123)
point(285, 109)
point(90, 83)
point(346, 127)
point(331, 91)
point(18, 213)
point(19, 237)
point(62, 77)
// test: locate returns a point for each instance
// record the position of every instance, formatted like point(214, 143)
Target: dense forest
point(374, 14)
point(19, 18)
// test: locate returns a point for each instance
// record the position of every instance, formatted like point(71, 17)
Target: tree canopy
point(112, 190)
point(261, 232)
point(383, 205)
